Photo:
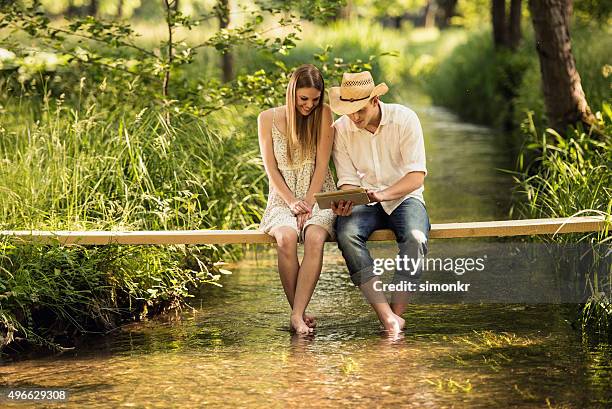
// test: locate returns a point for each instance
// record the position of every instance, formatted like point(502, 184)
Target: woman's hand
point(299, 207)
point(310, 199)
point(301, 220)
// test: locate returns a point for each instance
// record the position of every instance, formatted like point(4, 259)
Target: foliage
point(497, 88)
point(386, 8)
point(479, 82)
point(49, 294)
point(115, 167)
point(109, 50)
point(588, 10)
point(563, 176)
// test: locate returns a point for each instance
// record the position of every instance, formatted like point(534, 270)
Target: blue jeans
point(409, 222)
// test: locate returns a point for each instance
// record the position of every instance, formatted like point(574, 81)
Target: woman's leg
point(308, 275)
point(288, 265)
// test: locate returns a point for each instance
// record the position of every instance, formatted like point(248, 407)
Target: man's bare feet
point(299, 326)
point(393, 323)
point(310, 320)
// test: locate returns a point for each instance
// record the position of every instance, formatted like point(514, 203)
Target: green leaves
point(108, 52)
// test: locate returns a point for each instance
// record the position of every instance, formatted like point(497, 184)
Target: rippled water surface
point(234, 347)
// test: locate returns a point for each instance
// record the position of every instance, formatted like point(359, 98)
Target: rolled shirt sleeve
point(378, 160)
point(345, 169)
point(412, 145)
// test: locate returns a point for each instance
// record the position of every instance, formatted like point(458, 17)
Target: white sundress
point(297, 177)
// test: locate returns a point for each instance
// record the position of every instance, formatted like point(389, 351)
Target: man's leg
point(352, 234)
point(410, 223)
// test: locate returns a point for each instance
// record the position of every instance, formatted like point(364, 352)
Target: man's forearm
point(407, 184)
point(347, 187)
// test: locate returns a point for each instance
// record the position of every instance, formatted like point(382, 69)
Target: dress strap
point(273, 116)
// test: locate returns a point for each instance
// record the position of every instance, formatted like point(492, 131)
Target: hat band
point(353, 99)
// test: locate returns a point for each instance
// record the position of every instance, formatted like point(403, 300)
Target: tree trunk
point(227, 58)
point(498, 17)
point(346, 13)
point(170, 48)
point(506, 26)
point(514, 25)
point(120, 9)
point(430, 14)
point(72, 10)
point(448, 11)
point(563, 95)
point(93, 8)
point(397, 22)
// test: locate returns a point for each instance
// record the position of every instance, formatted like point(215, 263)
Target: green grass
point(127, 167)
point(567, 175)
point(498, 88)
point(102, 167)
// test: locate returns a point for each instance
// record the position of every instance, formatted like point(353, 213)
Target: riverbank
point(556, 175)
point(500, 87)
point(99, 166)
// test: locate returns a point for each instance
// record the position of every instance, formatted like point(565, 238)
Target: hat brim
point(341, 107)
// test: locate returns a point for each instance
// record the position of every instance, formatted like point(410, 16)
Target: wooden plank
point(438, 231)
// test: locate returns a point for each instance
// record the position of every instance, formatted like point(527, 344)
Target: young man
point(379, 147)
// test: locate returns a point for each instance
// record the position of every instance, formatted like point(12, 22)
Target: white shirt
point(377, 161)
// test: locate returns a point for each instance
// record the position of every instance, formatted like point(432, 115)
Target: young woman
point(296, 141)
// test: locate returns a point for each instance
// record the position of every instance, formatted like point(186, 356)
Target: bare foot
point(299, 326)
point(402, 322)
point(310, 320)
point(393, 323)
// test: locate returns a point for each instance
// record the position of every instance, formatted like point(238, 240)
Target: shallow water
point(234, 347)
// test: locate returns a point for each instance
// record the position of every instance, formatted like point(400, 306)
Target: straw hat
point(354, 92)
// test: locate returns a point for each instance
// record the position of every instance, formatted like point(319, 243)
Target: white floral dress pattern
point(297, 177)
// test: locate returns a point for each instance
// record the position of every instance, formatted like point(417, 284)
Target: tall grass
point(126, 167)
point(498, 87)
point(479, 82)
point(94, 166)
point(571, 175)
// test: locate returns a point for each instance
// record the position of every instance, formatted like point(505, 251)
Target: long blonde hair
point(303, 131)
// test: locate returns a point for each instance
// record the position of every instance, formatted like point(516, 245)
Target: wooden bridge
point(525, 227)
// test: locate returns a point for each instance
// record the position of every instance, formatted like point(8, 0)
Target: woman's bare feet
point(310, 320)
point(393, 323)
point(299, 326)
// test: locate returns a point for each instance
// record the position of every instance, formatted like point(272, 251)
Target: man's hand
point(376, 195)
point(342, 208)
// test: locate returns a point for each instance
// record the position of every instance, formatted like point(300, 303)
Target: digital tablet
point(358, 196)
